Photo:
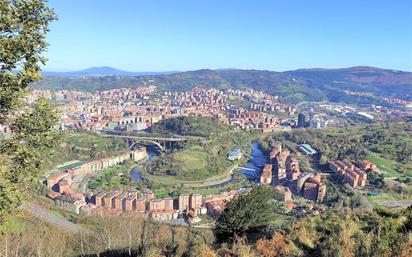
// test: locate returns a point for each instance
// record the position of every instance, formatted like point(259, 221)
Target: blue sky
point(161, 35)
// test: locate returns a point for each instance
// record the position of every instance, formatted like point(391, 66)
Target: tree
point(247, 212)
point(23, 28)
point(323, 160)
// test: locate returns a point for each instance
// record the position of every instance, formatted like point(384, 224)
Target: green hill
point(294, 86)
point(189, 126)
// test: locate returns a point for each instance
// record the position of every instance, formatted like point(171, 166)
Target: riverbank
point(239, 174)
point(173, 182)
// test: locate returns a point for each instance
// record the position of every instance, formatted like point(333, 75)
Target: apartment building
point(354, 176)
point(266, 176)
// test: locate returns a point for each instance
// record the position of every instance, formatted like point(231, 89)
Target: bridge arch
point(135, 142)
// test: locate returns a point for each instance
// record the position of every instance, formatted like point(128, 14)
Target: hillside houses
point(284, 173)
point(351, 174)
point(61, 184)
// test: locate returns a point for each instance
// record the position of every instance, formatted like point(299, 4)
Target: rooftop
point(307, 149)
point(235, 152)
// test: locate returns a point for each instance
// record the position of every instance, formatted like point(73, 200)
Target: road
point(305, 102)
point(168, 139)
point(45, 215)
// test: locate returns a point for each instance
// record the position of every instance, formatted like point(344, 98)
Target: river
point(251, 169)
point(135, 172)
point(257, 160)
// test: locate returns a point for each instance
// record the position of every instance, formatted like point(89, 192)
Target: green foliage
point(193, 162)
point(299, 85)
point(381, 233)
point(90, 84)
point(391, 140)
point(113, 177)
point(375, 179)
point(189, 126)
point(23, 27)
point(331, 234)
point(408, 223)
point(248, 212)
point(83, 146)
point(200, 159)
point(389, 145)
point(34, 133)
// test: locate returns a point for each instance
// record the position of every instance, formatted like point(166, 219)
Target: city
point(131, 112)
point(216, 129)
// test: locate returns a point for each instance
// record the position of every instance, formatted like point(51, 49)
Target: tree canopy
point(248, 212)
point(23, 28)
point(189, 126)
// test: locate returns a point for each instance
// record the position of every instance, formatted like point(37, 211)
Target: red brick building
point(351, 174)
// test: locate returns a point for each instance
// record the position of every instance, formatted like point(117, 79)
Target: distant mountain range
point(293, 86)
point(101, 71)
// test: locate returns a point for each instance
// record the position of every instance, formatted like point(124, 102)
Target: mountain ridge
point(97, 71)
point(294, 86)
point(112, 71)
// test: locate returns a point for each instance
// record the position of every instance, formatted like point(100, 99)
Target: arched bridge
point(133, 140)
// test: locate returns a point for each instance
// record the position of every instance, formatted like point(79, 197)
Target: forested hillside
point(83, 146)
point(294, 86)
point(189, 126)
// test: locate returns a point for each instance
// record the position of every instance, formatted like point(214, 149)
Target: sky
point(179, 35)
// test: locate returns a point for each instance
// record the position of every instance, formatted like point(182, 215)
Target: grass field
point(169, 190)
point(390, 168)
point(196, 164)
point(194, 158)
point(173, 181)
point(384, 164)
point(193, 163)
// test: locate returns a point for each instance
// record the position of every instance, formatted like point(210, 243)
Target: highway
point(45, 215)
